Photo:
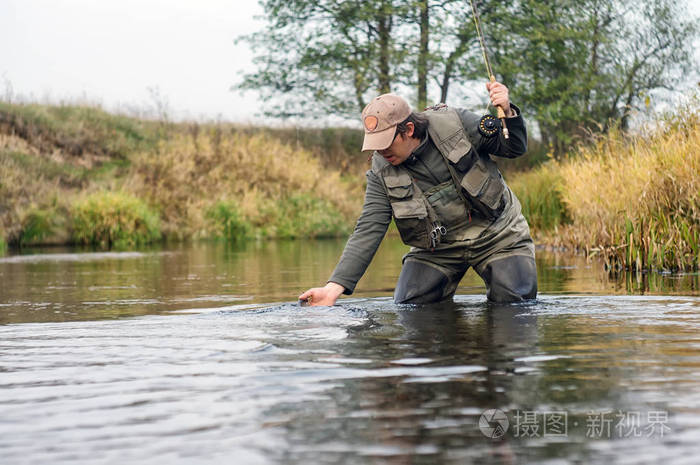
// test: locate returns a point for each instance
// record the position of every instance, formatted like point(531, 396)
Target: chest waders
point(442, 213)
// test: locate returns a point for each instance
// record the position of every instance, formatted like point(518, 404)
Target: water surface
point(43, 285)
point(199, 354)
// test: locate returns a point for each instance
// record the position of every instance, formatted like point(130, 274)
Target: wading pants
point(508, 271)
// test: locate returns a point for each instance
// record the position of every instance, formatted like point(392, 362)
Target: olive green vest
point(443, 213)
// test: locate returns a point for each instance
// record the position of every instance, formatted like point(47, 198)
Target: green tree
point(573, 65)
point(333, 56)
point(584, 65)
point(446, 49)
point(324, 56)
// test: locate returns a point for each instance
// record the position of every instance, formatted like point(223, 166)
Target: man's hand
point(499, 97)
point(326, 295)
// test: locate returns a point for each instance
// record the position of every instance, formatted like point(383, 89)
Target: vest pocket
point(448, 205)
point(411, 218)
point(485, 187)
point(412, 208)
point(398, 186)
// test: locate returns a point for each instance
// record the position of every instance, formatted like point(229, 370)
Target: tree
point(333, 56)
point(573, 65)
point(324, 56)
point(595, 62)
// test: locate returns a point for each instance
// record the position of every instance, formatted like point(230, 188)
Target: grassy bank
point(71, 174)
point(75, 174)
point(634, 200)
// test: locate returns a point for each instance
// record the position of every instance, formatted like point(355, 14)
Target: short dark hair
point(420, 125)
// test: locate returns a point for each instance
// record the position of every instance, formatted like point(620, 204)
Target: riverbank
point(632, 199)
point(72, 174)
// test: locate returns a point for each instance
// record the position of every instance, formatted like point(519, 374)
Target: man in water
point(433, 172)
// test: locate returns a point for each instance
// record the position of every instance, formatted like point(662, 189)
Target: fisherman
point(432, 171)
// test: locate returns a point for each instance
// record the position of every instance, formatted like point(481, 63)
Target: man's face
point(400, 148)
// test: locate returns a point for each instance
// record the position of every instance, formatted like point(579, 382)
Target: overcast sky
point(112, 52)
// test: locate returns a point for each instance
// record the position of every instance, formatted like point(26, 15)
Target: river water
point(199, 353)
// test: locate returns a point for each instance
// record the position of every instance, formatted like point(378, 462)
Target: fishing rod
point(499, 110)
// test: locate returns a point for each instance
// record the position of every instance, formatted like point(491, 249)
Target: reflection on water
point(81, 286)
point(365, 382)
point(216, 365)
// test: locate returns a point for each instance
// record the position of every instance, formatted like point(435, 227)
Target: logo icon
point(493, 423)
point(371, 122)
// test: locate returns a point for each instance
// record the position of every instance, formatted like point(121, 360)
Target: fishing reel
point(488, 126)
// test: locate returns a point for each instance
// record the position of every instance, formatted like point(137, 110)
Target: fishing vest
point(443, 212)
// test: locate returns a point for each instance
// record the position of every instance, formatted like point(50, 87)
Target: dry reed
point(190, 175)
point(634, 200)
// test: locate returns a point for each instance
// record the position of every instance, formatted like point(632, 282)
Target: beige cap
point(380, 118)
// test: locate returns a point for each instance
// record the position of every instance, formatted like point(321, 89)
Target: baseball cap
point(380, 118)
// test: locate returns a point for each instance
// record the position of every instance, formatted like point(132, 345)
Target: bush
point(37, 225)
point(114, 219)
point(302, 215)
point(539, 192)
point(227, 221)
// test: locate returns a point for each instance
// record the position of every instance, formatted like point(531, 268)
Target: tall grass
point(28, 194)
point(114, 219)
point(49, 154)
point(639, 197)
point(79, 131)
point(202, 180)
point(634, 200)
point(190, 177)
point(227, 221)
point(337, 147)
point(539, 192)
point(302, 215)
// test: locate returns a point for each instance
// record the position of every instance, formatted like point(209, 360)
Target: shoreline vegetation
point(633, 200)
point(79, 175)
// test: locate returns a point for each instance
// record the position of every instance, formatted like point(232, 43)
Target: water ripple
point(364, 380)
